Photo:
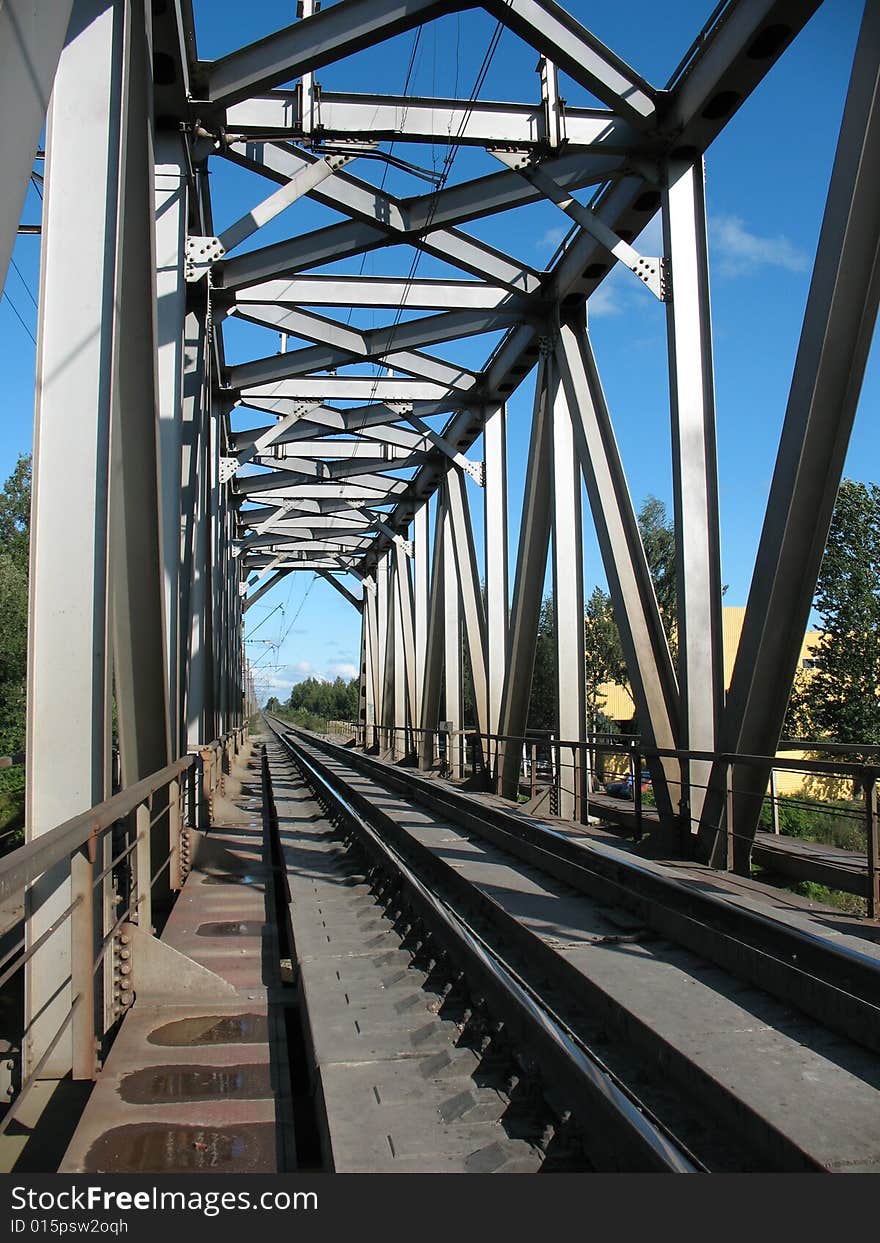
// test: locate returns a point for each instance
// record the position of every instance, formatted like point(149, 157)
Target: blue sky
point(767, 176)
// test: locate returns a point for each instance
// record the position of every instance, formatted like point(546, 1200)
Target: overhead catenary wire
point(446, 169)
point(18, 315)
point(260, 622)
point(299, 610)
point(20, 276)
point(409, 73)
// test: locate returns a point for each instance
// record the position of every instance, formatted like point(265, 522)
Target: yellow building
point(618, 704)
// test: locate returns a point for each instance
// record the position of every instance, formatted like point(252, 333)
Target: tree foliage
point(334, 701)
point(658, 538)
point(15, 501)
point(604, 653)
point(841, 700)
point(542, 701)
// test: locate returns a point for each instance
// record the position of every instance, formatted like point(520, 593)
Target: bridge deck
point(390, 1067)
point(728, 1048)
point(197, 1079)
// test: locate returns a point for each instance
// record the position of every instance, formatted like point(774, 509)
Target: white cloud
point(302, 669)
point(551, 239)
point(605, 300)
point(342, 670)
point(740, 251)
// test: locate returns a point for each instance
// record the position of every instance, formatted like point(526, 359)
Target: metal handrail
point(66, 843)
point(487, 755)
point(24, 865)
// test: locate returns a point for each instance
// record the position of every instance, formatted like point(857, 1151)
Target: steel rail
point(837, 985)
point(652, 1145)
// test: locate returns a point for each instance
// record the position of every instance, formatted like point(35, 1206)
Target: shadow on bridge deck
point(198, 1077)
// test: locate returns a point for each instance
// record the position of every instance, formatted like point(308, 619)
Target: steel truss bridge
point(160, 516)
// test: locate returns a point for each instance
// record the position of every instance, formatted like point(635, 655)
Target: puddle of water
point(157, 1148)
point(196, 1083)
point(232, 878)
point(230, 928)
point(212, 1029)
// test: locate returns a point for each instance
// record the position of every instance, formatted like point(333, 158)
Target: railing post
point(143, 890)
point(873, 846)
point(533, 777)
point(635, 760)
point(774, 800)
point(555, 777)
point(206, 787)
point(82, 959)
point(729, 819)
point(191, 793)
point(576, 783)
point(175, 831)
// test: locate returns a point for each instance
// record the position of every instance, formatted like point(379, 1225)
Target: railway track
point(665, 1027)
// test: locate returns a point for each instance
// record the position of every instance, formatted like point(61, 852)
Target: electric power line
point(17, 314)
point(27, 287)
point(448, 162)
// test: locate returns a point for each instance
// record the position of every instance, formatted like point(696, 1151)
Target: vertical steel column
point(406, 710)
point(68, 726)
point(214, 604)
point(171, 219)
point(528, 587)
point(568, 596)
point(386, 668)
point(451, 643)
point(196, 561)
point(371, 620)
point(694, 474)
point(835, 339)
point(648, 662)
point(432, 681)
point(495, 536)
point(31, 37)
point(137, 609)
point(459, 525)
point(421, 596)
point(138, 616)
point(398, 657)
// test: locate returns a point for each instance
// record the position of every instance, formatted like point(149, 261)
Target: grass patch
point(304, 719)
point(837, 822)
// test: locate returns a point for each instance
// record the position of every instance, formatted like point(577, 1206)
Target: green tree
point(334, 701)
point(15, 512)
point(843, 695)
point(15, 501)
point(604, 653)
point(542, 701)
point(658, 538)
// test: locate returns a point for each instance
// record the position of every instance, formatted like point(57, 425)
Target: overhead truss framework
point(161, 514)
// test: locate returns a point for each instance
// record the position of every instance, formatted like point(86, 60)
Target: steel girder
point(31, 39)
point(69, 661)
point(133, 594)
point(838, 327)
point(365, 426)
